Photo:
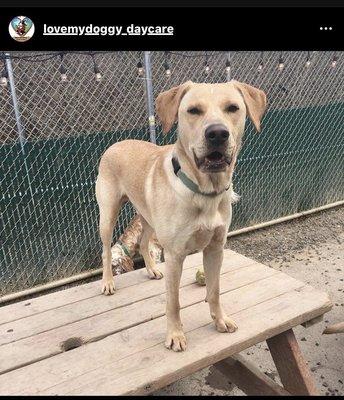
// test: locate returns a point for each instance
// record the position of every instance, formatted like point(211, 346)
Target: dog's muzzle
point(217, 158)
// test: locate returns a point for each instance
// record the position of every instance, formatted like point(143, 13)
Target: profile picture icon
point(21, 28)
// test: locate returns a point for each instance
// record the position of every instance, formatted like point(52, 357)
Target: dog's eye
point(232, 108)
point(195, 111)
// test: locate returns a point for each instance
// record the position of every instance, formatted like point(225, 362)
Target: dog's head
point(211, 119)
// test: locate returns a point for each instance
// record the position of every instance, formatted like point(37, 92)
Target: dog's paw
point(155, 273)
point(176, 341)
point(225, 324)
point(108, 286)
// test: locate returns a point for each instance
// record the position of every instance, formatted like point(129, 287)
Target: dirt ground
point(310, 249)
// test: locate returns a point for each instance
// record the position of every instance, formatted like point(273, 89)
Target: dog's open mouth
point(212, 162)
point(215, 156)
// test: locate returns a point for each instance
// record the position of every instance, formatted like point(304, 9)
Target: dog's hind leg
point(147, 233)
point(109, 202)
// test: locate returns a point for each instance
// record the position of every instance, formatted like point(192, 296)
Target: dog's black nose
point(216, 134)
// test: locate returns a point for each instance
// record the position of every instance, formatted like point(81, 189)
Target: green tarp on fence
point(50, 214)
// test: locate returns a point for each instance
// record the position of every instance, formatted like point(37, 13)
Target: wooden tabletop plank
point(42, 322)
point(61, 298)
point(97, 368)
point(48, 343)
point(118, 346)
point(149, 371)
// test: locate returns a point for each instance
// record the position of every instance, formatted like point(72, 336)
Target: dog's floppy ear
point(167, 104)
point(255, 100)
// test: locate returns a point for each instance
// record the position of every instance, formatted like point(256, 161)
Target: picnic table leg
point(248, 377)
point(291, 366)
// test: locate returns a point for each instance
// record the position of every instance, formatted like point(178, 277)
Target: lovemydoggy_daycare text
point(113, 30)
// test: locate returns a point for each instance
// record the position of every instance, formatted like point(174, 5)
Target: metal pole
point(150, 97)
point(22, 138)
point(21, 133)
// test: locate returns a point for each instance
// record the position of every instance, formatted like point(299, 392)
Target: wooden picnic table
point(78, 341)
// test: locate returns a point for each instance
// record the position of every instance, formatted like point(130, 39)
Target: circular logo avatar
point(21, 28)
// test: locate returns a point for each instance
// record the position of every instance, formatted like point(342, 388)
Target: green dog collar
point(191, 184)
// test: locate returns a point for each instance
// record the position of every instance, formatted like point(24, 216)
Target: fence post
point(150, 96)
point(21, 133)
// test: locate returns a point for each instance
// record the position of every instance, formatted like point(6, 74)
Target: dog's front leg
point(175, 338)
point(212, 262)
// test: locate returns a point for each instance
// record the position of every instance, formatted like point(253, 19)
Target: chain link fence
point(51, 143)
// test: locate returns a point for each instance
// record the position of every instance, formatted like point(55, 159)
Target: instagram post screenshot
point(172, 199)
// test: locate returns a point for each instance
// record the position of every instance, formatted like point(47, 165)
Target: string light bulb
point(228, 66)
point(281, 63)
point(261, 63)
point(167, 69)
point(97, 74)
point(334, 61)
point(206, 64)
point(308, 61)
point(167, 65)
point(140, 69)
point(206, 68)
point(62, 70)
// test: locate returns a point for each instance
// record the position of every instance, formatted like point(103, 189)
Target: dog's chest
point(199, 239)
point(202, 230)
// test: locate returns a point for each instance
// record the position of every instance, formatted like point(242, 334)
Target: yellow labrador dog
point(183, 192)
